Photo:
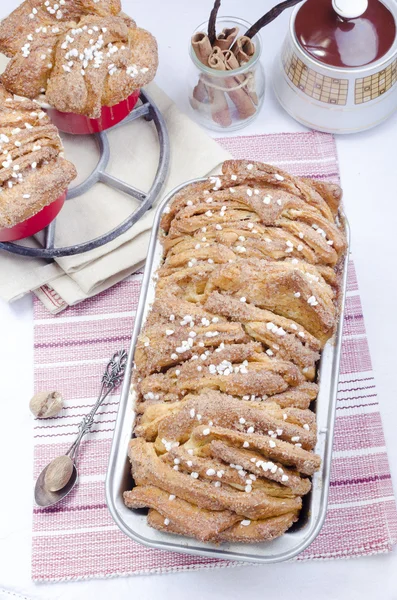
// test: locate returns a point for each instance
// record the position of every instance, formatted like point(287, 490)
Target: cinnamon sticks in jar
point(223, 96)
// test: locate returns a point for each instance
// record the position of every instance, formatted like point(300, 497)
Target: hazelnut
point(46, 404)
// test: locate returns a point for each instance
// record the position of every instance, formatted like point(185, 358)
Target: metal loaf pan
point(133, 522)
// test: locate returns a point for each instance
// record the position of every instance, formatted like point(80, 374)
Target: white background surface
point(368, 163)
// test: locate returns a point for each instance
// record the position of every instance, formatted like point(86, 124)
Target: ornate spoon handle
point(112, 378)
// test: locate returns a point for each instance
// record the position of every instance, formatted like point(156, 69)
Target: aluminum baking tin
point(133, 522)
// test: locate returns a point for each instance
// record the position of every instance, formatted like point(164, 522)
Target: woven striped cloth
point(78, 539)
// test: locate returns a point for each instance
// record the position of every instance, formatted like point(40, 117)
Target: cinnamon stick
point(226, 38)
point(244, 49)
point(200, 93)
point(232, 63)
point(216, 60)
point(202, 47)
point(219, 107)
point(240, 99)
point(212, 22)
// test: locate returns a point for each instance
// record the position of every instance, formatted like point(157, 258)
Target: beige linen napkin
point(134, 157)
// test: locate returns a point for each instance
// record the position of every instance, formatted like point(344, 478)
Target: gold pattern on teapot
point(373, 86)
point(320, 87)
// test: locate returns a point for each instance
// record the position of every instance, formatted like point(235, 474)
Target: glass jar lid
point(345, 33)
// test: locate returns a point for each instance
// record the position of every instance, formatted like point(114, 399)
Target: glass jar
point(227, 100)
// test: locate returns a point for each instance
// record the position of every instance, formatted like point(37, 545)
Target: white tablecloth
point(368, 163)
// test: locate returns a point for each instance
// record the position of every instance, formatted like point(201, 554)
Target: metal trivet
point(150, 112)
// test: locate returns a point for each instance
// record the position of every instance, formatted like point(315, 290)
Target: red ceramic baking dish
point(34, 224)
point(81, 125)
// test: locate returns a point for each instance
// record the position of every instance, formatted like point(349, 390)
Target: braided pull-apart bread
point(77, 55)
point(226, 365)
point(33, 172)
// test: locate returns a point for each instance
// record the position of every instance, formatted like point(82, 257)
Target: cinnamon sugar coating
point(244, 531)
point(226, 364)
point(79, 56)
point(33, 172)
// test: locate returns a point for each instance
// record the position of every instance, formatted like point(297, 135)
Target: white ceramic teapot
point(337, 70)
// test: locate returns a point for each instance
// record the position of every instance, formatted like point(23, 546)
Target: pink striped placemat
point(78, 538)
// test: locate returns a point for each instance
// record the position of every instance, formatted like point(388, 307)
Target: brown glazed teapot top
point(338, 41)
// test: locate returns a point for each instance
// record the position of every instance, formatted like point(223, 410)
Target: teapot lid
point(345, 33)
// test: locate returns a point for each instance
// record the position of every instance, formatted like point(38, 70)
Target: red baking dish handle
point(82, 125)
point(33, 224)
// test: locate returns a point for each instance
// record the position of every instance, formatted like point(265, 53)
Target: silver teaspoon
point(60, 475)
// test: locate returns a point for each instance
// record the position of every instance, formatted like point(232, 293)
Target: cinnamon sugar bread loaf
point(78, 55)
point(226, 364)
point(33, 172)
